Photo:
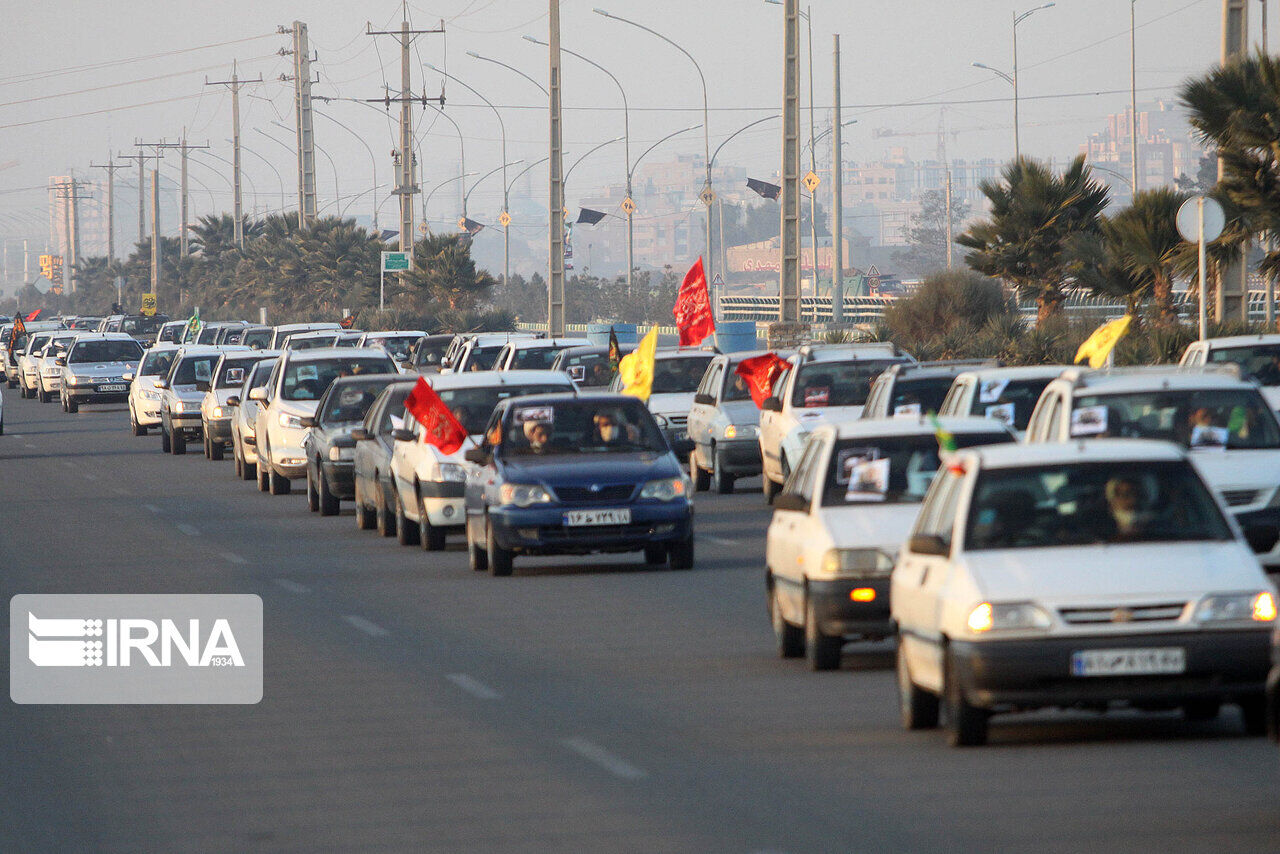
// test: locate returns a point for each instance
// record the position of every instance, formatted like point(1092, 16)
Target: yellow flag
point(1103, 340)
point(636, 367)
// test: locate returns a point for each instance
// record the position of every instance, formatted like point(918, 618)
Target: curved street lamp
point(444, 183)
point(279, 179)
point(373, 164)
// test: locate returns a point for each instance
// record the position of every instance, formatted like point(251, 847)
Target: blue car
point(558, 474)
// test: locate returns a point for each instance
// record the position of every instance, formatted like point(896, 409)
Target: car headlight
point(1238, 608)
point(291, 421)
point(661, 419)
point(180, 407)
point(1008, 616)
point(873, 562)
point(339, 454)
point(667, 489)
point(523, 495)
point(451, 472)
point(740, 431)
point(217, 412)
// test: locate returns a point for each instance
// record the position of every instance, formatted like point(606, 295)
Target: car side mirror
point(307, 421)
point(929, 544)
point(259, 394)
point(705, 399)
point(402, 435)
point(128, 377)
point(772, 404)
point(234, 400)
point(343, 442)
point(61, 361)
point(161, 383)
point(682, 447)
point(791, 501)
point(479, 456)
point(361, 435)
point(1261, 538)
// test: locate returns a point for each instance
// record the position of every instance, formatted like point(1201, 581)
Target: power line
point(100, 112)
point(93, 66)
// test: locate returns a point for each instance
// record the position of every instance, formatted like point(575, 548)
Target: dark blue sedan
point(576, 475)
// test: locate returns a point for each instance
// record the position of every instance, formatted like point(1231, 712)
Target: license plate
point(1129, 662)
point(598, 517)
point(106, 389)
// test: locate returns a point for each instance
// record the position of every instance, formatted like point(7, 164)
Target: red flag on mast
point(693, 314)
point(440, 427)
point(760, 373)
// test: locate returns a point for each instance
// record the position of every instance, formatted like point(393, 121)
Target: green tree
point(444, 272)
point(1144, 241)
point(927, 233)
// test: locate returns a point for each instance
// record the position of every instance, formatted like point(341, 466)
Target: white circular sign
point(1189, 215)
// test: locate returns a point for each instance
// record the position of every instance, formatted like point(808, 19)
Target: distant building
point(1166, 150)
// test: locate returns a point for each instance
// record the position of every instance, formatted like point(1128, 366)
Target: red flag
point(33, 315)
point(760, 373)
point(19, 330)
point(693, 314)
point(348, 321)
point(439, 425)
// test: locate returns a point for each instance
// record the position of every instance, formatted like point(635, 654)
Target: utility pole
point(1233, 279)
point(111, 166)
point(235, 83)
point(837, 193)
point(407, 184)
point(789, 281)
point(555, 278)
point(950, 226)
point(69, 190)
point(157, 254)
point(303, 117)
point(142, 189)
point(1133, 93)
point(184, 150)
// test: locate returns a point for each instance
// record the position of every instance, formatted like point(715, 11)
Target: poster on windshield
point(991, 390)
point(1089, 421)
point(864, 474)
point(1205, 437)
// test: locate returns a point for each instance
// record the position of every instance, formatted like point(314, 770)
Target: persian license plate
point(598, 517)
point(1129, 662)
point(114, 387)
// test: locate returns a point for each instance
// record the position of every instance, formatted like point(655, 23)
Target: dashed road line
point(90, 477)
point(593, 752)
point(293, 586)
point(232, 557)
point(719, 541)
point(28, 444)
point(189, 530)
point(472, 686)
point(371, 629)
point(151, 508)
point(120, 490)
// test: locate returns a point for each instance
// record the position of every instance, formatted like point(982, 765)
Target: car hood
point(810, 418)
point(187, 393)
point(99, 369)
point(740, 412)
point(1124, 573)
point(1238, 469)
point(300, 408)
point(579, 469)
point(882, 526)
point(674, 403)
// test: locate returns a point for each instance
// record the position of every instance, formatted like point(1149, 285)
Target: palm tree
point(1033, 214)
point(1145, 241)
point(444, 271)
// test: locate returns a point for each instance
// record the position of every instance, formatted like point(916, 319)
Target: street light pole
point(373, 163)
point(444, 183)
point(1018, 19)
point(1133, 91)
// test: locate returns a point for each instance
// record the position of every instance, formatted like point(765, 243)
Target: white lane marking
point(69, 464)
point(189, 530)
point(232, 557)
point(371, 629)
point(151, 508)
point(474, 687)
point(291, 586)
point(719, 541)
point(120, 490)
point(593, 752)
point(28, 444)
point(90, 477)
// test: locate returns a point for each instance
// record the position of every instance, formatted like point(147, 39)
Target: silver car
point(93, 369)
point(183, 390)
point(244, 418)
point(724, 427)
point(144, 397)
point(215, 415)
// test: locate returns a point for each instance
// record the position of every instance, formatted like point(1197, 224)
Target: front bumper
point(839, 614)
point(341, 477)
point(288, 461)
point(52, 384)
point(443, 501)
point(1224, 664)
point(190, 425)
point(218, 430)
point(541, 530)
point(90, 394)
point(740, 457)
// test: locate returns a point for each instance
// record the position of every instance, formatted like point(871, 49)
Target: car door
point(771, 429)
point(366, 452)
point(784, 543)
point(481, 480)
point(702, 413)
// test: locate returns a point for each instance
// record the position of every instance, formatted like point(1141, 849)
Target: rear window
point(258, 339)
point(156, 363)
point(822, 384)
point(348, 403)
point(397, 345)
point(105, 351)
point(473, 406)
point(232, 373)
point(194, 369)
point(535, 358)
point(484, 358)
point(676, 376)
point(308, 380)
point(918, 396)
point(589, 370)
point(890, 470)
point(1010, 401)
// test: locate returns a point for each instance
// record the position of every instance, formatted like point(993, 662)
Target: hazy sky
point(62, 58)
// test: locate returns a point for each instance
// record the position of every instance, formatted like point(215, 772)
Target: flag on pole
point(194, 324)
point(1103, 340)
point(692, 311)
point(946, 445)
point(615, 352)
point(348, 321)
point(759, 372)
point(636, 368)
point(19, 330)
point(439, 425)
point(33, 316)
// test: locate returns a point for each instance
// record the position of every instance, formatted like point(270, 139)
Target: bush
point(947, 304)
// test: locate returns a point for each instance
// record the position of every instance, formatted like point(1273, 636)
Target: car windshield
point(208, 334)
point(589, 370)
point(170, 333)
point(473, 406)
point(307, 380)
point(431, 353)
point(397, 345)
point(581, 427)
point(534, 358)
point(1259, 363)
point(348, 403)
point(142, 325)
point(231, 372)
point(918, 395)
point(837, 383)
point(1090, 503)
point(1218, 419)
point(890, 469)
point(257, 339)
point(156, 363)
point(37, 342)
point(57, 345)
point(259, 374)
point(105, 351)
point(194, 369)
point(484, 358)
point(681, 375)
point(317, 343)
point(1010, 401)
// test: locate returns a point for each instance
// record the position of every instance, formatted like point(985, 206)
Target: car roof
point(1154, 379)
point(592, 349)
point(542, 343)
point(365, 378)
point(925, 370)
point(664, 355)
point(301, 327)
point(1241, 340)
point(1091, 451)
point(489, 379)
point(323, 353)
point(1026, 372)
point(908, 426)
point(164, 345)
point(592, 397)
point(311, 333)
point(239, 352)
point(210, 349)
point(392, 333)
point(103, 336)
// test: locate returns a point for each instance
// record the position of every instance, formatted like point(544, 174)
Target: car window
point(388, 419)
point(534, 358)
point(1010, 401)
point(231, 373)
point(430, 353)
point(780, 384)
point(105, 351)
point(1208, 419)
point(801, 481)
point(350, 402)
point(1259, 363)
point(473, 406)
point(679, 376)
point(142, 325)
point(194, 369)
point(1089, 503)
point(484, 358)
point(157, 362)
point(918, 395)
point(820, 384)
point(397, 345)
point(734, 387)
point(581, 427)
point(308, 379)
point(710, 384)
point(258, 377)
point(937, 516)
point(258, 339)
point(589, 370)
point(890, 469)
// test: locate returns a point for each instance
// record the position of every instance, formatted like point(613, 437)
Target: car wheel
point(500, 560)
point(721, 480)
point(138, 429)
point(177, 444)
point(216, 450)
point(44, 398)
point(701, 480)
point(655, 555)
point(278, 485)
point(406, 534)
point(966, 724)
point(431, 538)
point(1254, 711)
point(329, 504)
point(769, 488)
point(821, 650)
point(204, 446)
point(1201, 710)
point(790, 638)
point(918, 708)
point(680, 554)
point(313, 495)
point(364, 519)
point(73, 405)
point(386, 522)
point(264, 483)
point(164, 440)
point(477, 558)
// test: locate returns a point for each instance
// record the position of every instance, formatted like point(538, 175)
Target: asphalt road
point(582, 705)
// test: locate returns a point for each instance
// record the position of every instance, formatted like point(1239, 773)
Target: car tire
point(822, 651)
point(967, 725)
point(790, 639)
point(164, 440)
point(1254, 712)
point(364, 519)
point(501, 561)
point(430, 537)
point(918, 708)
point(329, 504)
point(264, 482)
point(217, 451)
point(477, 558)
point(680, 553)
point(42, 397)
point(701, 479)
point(204, 447)
point(138, 429)
point(73, 405)
point(278, 485)
point(177, 444)
point(1201, 711)
point(386, 523)
point(769, 488)
point(655, 555)
point(313, 495)
point(406, 533)
point(721, 481)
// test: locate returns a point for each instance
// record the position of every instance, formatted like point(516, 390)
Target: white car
point(93, 369)
point(182, 393)
point(822, 383)
point(48, 371)
point(228, 376)
point(315, 339)
point(398, 343)
point(144, 397)
point(1231, 431)
point(430, 485)
point(912, 390)
point(244, 419)
point(1008, 394)
point(9, 356)
point(1256, 356)
point(297, 383)
point(479, 352)
point(27, 362)
point(1080, 575)
point(838, 524)
point(283, 331)
point(534, 354)
point(676, 377)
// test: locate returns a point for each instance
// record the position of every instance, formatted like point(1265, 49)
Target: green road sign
point(395, 262)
